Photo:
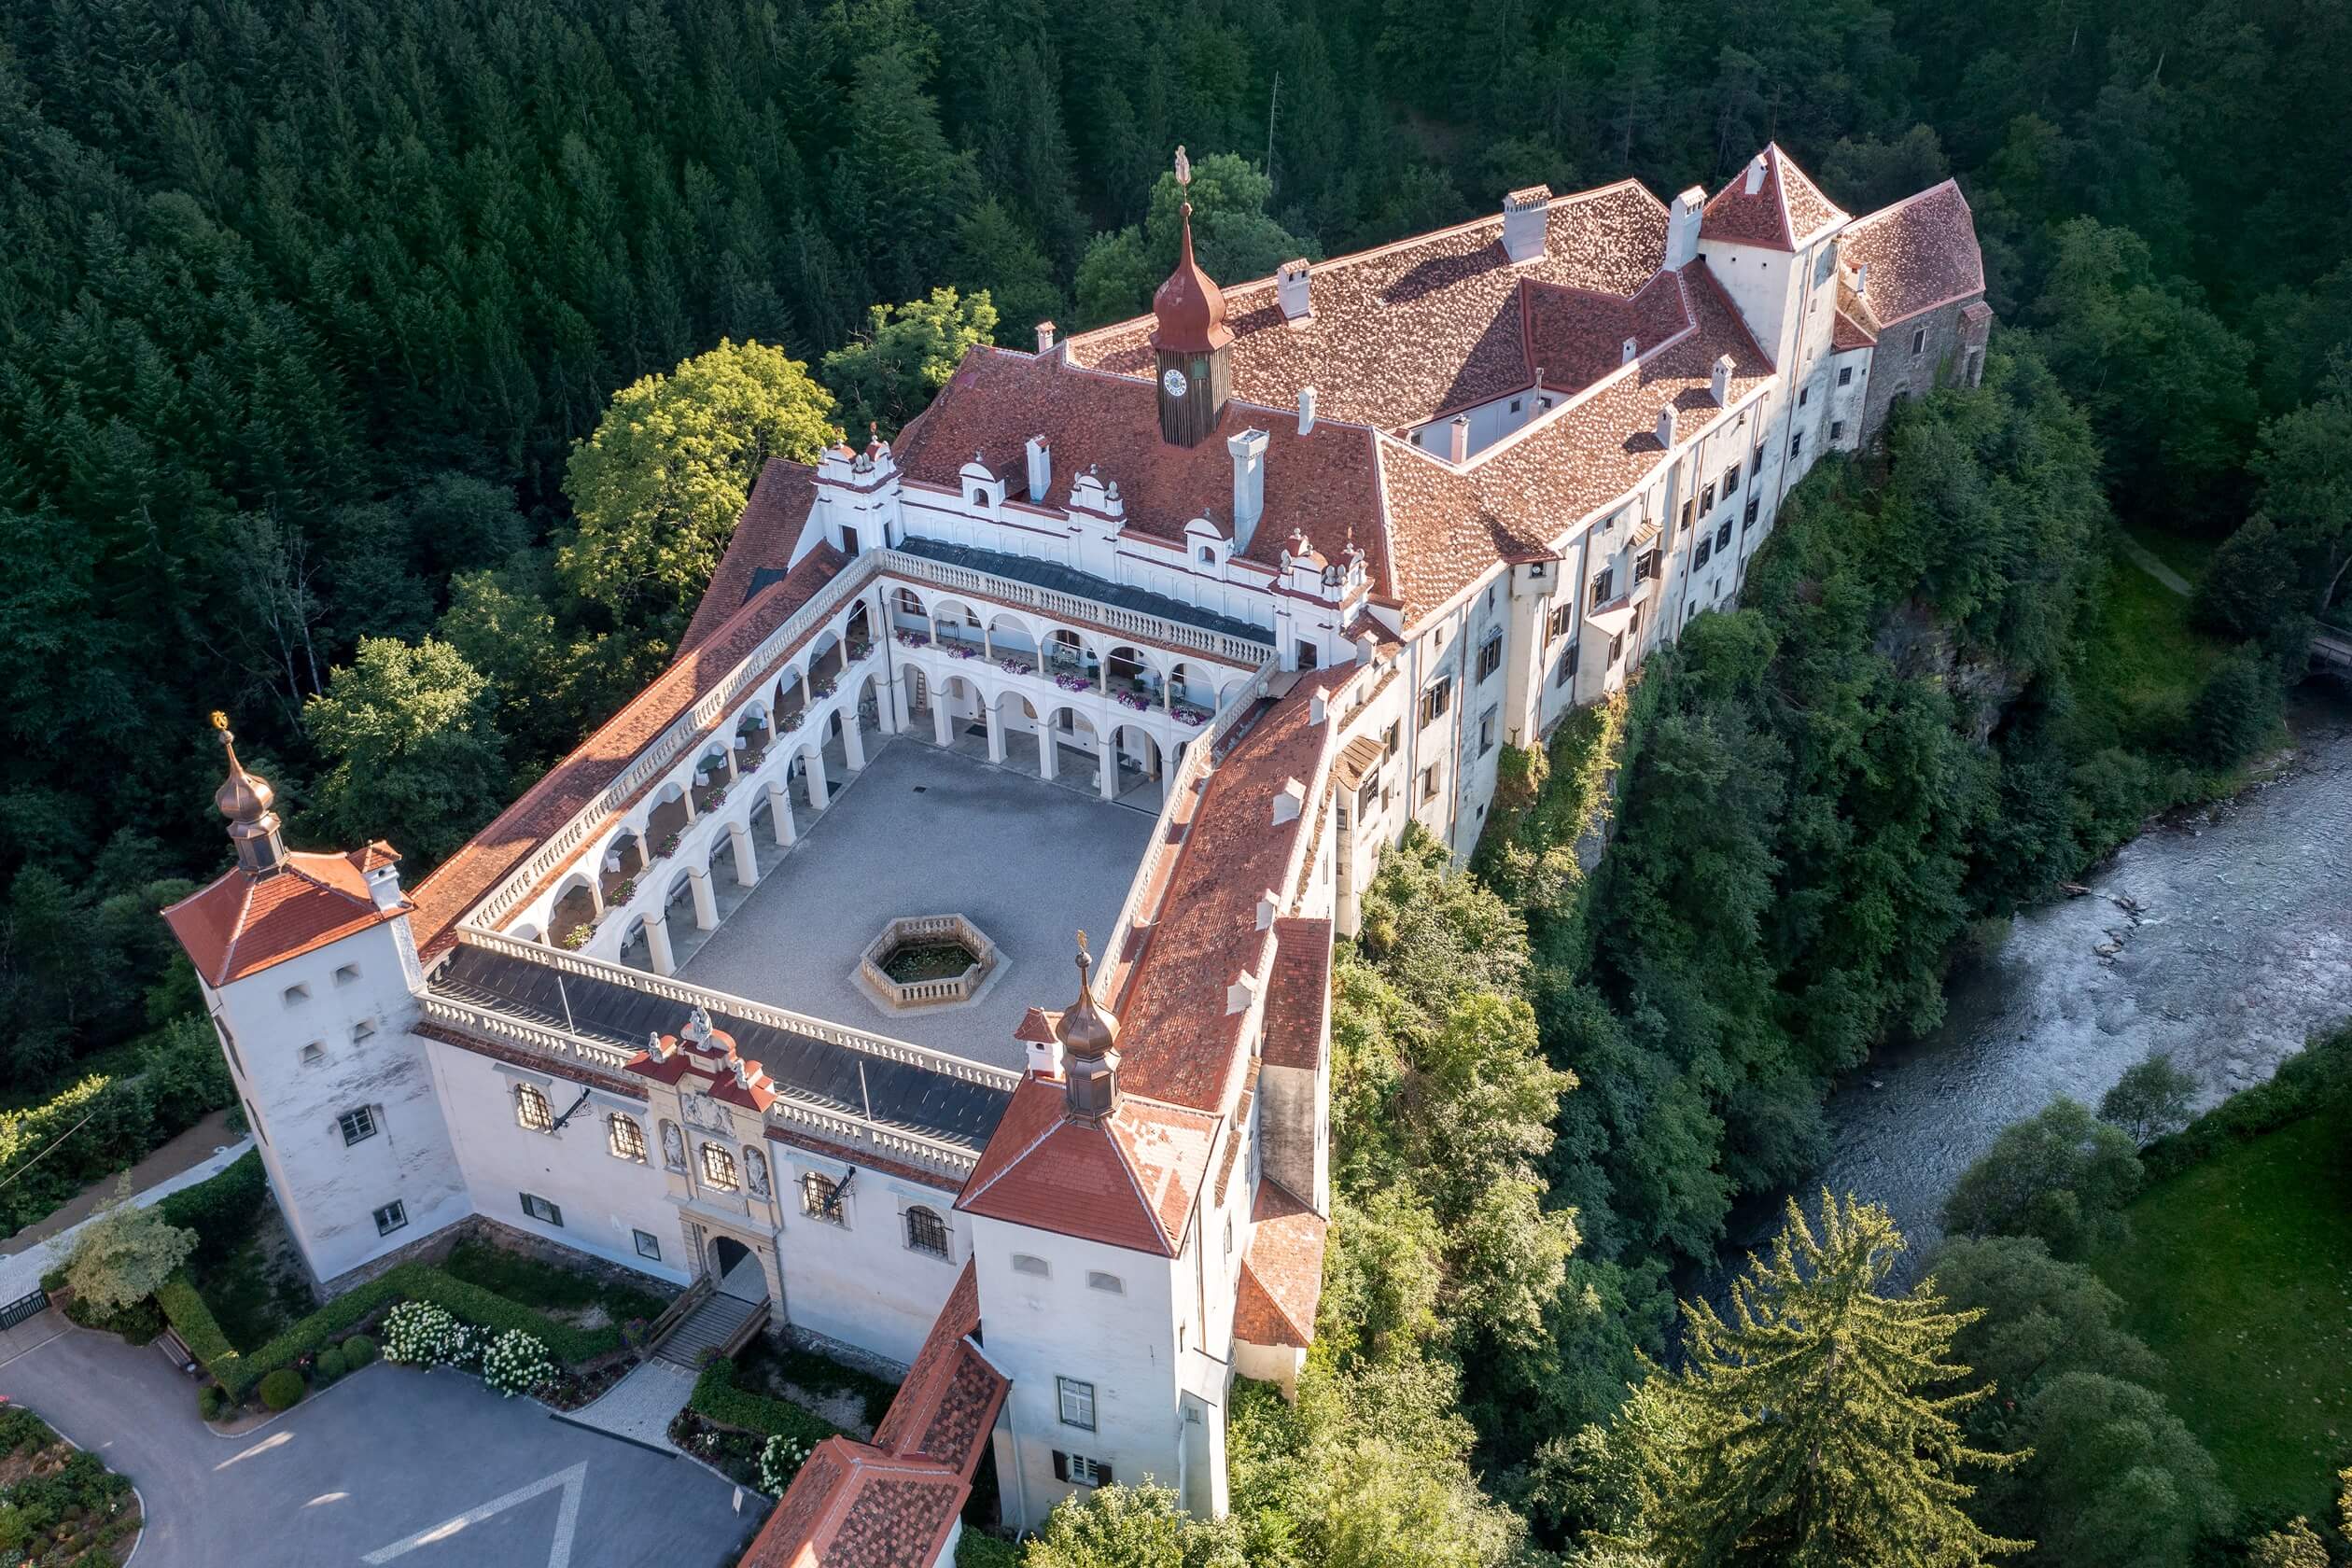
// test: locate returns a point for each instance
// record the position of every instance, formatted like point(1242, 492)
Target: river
point(2230, 938)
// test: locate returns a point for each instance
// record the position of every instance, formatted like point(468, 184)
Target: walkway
point(197, 1154)
point(2145, 559)
point(430, 1470)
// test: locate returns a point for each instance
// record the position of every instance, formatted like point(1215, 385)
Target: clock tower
point(1191, 342)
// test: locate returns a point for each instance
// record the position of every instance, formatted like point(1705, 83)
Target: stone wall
point(1896, 371)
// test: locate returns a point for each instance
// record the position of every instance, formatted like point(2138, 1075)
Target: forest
point(312, 316)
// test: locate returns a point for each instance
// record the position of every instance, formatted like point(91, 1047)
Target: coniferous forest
point(303, 309)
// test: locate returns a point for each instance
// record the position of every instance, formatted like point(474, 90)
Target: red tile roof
point(1577, 336)
point(238, 924)
point(1786, 209)
point(1404, 331)
point(948, 1403)
point(1922, 253)
point(1300, 996)
point(1321, 484)
point(1282, 1274)
point(762, 541)
point(468, 877)
point(854, 1506)
point(1129, 1180)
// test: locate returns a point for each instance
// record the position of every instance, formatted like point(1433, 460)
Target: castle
point(1162, 631)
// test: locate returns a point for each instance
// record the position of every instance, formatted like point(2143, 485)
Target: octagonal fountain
point(924, 961)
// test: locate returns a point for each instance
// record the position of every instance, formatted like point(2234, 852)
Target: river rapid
point(2223, 936)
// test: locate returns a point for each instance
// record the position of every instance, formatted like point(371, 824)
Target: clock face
point(1174, 382)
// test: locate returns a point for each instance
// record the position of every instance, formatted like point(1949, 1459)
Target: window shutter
point(1061, 1465)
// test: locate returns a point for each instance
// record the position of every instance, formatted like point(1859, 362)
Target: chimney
point(1289, 290)
point(1305, 411)
point(1666, 427)
point(1249, 485)
point(1041, 468)
point(1681, 227)
point(1268, 906)
point(1633, 349)
point(1458, 442)
point(384, 886)
point(1045, 337)
point(1289, 800)
point(1754, 174)
point(1040, 1048)
point(1721, 384)
point(1526, 216)
point(1862, 278)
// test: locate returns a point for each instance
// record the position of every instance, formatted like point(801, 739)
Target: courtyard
point(430, 1470)
point(926, 832)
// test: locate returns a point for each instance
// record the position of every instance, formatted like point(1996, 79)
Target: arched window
point(820, 1198)
point(926, 1232)
point(531, 1109)
point(719, 1168)
point(1208, 555)
point(908, 603)
point(626, 1138)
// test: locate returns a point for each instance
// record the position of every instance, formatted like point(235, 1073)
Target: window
point(1796, 442)
point(1699, 556)
point(1429, 782)
point(1723, 536)
point(359, 1126)
point(1208, 555)
point(1749, 516)
point(361, 1033)
point(1435, 699)
point(1486, 732)
point(1731, 480)
point(1845, 375)
point(719, 1167)
point(926, 1232)
point(531, 1109)
point(294, 995)
point(229, 1044)
point(1491, 653)
point(1567, 666)
point(1646, 565)
point(1098, 1280)
point(1557, 626)
point(1077, 1401)
point(1079, 1468)
point(624, 1138)
point(1706, 500)
point(540, 1210)
point(820, 1198)
point(391, 1217)
point(1306, 655)
point(1024, 1264)
point(910, 604)
point(346, 974)
point(253, 1120)
point(1393, 737)
point(1919, 343)
point(1688, 507)
point(1837, 429)
point(1602, 580)
point(1804, 396)
point(1515, 405)
point(1616, 648)
point(648, 1244)
point(313, 1053)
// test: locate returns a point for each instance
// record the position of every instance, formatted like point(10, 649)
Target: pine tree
point(1804, 1431)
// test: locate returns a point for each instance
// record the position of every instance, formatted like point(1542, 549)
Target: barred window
point(391, 1217)
point(926, 1232)
point(821, 1198)
point(627, 1138)
point(719, 1167)
point(358, 1124)
point(531, 1109)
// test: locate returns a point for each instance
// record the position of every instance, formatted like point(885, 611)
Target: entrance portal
point(736, 1271)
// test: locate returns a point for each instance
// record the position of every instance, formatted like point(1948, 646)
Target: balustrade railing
point(1070, 606)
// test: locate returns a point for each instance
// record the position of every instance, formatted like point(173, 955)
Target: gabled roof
point(1577, 336)
point(1783, 211)
point(1300, 995)
point(1129, 1181)
point(945, 1409)
point(1922, 252)
point(239, 924)
point(854, 1506)
point(758, 551)
point(1282, 1274)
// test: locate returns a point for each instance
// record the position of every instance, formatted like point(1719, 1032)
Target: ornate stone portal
point(927, 961)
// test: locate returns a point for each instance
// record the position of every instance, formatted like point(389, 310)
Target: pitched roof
point(468, 877)
point(1129, 1180)
point(949, 1401)
point(1282, 1274)
point(238, 924)
point(761, 549)
point(1577, 336)
point(1786, 209)
point(854, 1506)
point(1300, 994)
point(1922, 253)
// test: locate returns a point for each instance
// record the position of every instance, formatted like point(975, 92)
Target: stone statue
point(673, 1147)
point(755, 1171)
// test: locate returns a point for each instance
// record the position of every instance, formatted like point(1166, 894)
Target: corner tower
point(1190, 340)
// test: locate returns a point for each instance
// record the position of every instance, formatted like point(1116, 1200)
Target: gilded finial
point(220, 721)
point(1184, 166)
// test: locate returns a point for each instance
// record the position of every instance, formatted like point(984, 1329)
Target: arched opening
point(574, 917)
point(826, 661)
point(1140, 760)
point(713, 774)
point(666, 822)
point(1010, 644)
point(736, 1270)
point(957, 625)
point(618, 867)
point(753, 736)
point(858, 633)
point(1192, 692)
point(910, 622)
point(1071, 662)
point(1133, 682)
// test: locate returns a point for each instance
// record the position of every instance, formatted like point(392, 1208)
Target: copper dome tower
point(1090, 1049)
point(245, 799)
point(1190, 343)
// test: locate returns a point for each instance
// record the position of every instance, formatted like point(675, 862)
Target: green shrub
point(359, 1351)
point(330, 1365)
point(716, 1398)
point(183, 1308)
point(2235, 710)
point(282, 1389)
point(22, 1431)
point(211, 1400)
point(2317, 1078)
point(974, 1549)
point(220, 1210)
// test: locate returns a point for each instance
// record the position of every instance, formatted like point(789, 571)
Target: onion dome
point(245, 799)
point(1090, 1058)
point(1085, 1029)
point(1189, 307)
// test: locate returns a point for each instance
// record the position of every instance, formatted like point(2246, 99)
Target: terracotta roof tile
point(1922, 252)
point(238, 924)
point(1282, 1274)
point(468, 877)
point(853, 1507)
point(1301, 994)
point(1577, 336)
point(762, 541)
point(1129, 1180)
point(1784, 210)
point(949, 1401)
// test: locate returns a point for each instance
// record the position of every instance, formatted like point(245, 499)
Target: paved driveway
point(427, 1470)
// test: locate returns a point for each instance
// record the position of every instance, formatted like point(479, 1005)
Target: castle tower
point(1191, 340)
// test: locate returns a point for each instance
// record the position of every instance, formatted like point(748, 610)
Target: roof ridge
point(1895, 207)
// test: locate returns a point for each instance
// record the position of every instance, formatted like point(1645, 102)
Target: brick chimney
point(1289, 290)
point(1525, 220)
point(1045, 337)
point(1681, 227)
point(1249, 485)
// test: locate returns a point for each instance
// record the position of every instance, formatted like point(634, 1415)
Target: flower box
point(578, 937)
point(1135, 700)
point(789, 723)
point(717, 796)
point(825, 688)
point(668, 845)
point(1013, 666)
point(914, 639)
point(1188, 715)
point(622, 891)
point(1073, 682)
point(963, 650)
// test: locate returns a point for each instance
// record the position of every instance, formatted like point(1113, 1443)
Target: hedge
point(717, 1398)
point(2317, 1078)
point(408, 1282)
point(220, 1209)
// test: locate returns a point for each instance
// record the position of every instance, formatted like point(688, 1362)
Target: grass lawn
point(2239, 1274)
point(2188, 556)
point(549, 1287)
point(2144, 663)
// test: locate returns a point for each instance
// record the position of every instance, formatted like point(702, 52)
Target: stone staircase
point(717, 1319)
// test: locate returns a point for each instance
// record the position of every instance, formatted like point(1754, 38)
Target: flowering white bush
point(779, 1460)
point(515, 1363)
point(420, 1334)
